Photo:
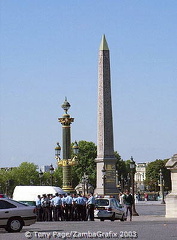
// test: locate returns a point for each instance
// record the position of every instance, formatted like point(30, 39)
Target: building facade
point(140, 176)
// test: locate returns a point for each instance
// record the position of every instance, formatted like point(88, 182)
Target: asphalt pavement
point(151, 224)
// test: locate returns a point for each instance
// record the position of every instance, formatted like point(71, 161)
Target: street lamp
point(75, 148)
point(103, 177)
point(162, 186)
point(132, 169)
point(57, 151)
point(40, 176)
point(66, 162)
point(117, 179)
point(85, 183)
point(51, 169)
point(7, 187)
point(122, 183)
point(128, 181)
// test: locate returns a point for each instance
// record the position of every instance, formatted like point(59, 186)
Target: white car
point(14, 215)
point(109, 208)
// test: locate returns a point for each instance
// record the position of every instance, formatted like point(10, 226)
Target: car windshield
point(102, 202)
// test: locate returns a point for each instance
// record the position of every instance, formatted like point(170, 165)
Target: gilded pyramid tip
point(103, 45)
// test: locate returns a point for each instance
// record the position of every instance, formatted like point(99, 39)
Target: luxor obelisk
point(105, 161)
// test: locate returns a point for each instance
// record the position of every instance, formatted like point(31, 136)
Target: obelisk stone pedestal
point(171, 199)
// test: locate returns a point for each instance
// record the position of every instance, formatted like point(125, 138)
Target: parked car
point(14, 215)
point(2, 195)
point(109, 208)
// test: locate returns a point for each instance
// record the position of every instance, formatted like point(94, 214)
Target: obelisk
point(106, 161)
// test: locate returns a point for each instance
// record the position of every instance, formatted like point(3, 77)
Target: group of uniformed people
point(65, 207)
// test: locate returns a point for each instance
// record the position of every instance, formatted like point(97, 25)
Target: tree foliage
point(86, 163)
point(25, 174)
point(152, 175)
point(121, 166)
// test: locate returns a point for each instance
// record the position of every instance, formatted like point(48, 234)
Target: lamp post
point(122, 183)
point(103, 177)
point(66, 163)
point(85, 183)
point(128, 181)
point(117, 179)
point(132, 169)
point(51, 173)
point(162, 186)
point(7, 187)
point(40, 176)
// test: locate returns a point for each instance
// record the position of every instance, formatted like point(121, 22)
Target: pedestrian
point(45, 203)
point(63, 210)
point(85, 210)
point(38, 208)
point(80, 207)
point(128, 202)
point(74, 207)
point(121, 198)
point(57, 204)
point(91, 207)
point(68, 207)
point(146, 197)
point(50, 208)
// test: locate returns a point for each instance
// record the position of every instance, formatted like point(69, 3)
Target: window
point(102, 202)
point(114, 203)
point(6, 205)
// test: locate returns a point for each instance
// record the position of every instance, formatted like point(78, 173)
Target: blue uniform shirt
point(56, 201)
point(91, 200)
point(68, 200)
point(38, 202)
point(80, 200)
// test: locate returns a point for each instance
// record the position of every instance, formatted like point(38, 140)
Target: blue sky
point(49, 50)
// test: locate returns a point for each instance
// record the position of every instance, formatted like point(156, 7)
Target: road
point(151, 224)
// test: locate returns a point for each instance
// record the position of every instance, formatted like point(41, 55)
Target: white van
point(28, 194)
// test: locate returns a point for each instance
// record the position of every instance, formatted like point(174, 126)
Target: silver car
point(14, 215)
point(109, 208)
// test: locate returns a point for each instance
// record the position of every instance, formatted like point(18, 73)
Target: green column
point(67, 168)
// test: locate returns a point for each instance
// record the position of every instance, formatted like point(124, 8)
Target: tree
point(6, 180)
point(152, 175)
point(58, 177)
point(86, 163)
point(26, 174)
point(121, 166)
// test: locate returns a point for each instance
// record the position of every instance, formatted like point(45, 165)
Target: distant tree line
point(28, 173)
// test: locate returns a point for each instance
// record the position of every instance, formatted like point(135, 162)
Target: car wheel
point(113, 217)
point(102, 219)
point(122, 218)
point(14, 225)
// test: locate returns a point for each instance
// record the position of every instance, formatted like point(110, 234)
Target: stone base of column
point(106, 184)
point(99, 192)
point(68, 189)
point(171, 205)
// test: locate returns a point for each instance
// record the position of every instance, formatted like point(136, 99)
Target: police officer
point(39, 208)
point(63, 213)
point(57, 204)
point(91, 207)
point(45, 203)
point(74, 207)
point(68, 207)
point(80, 207)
